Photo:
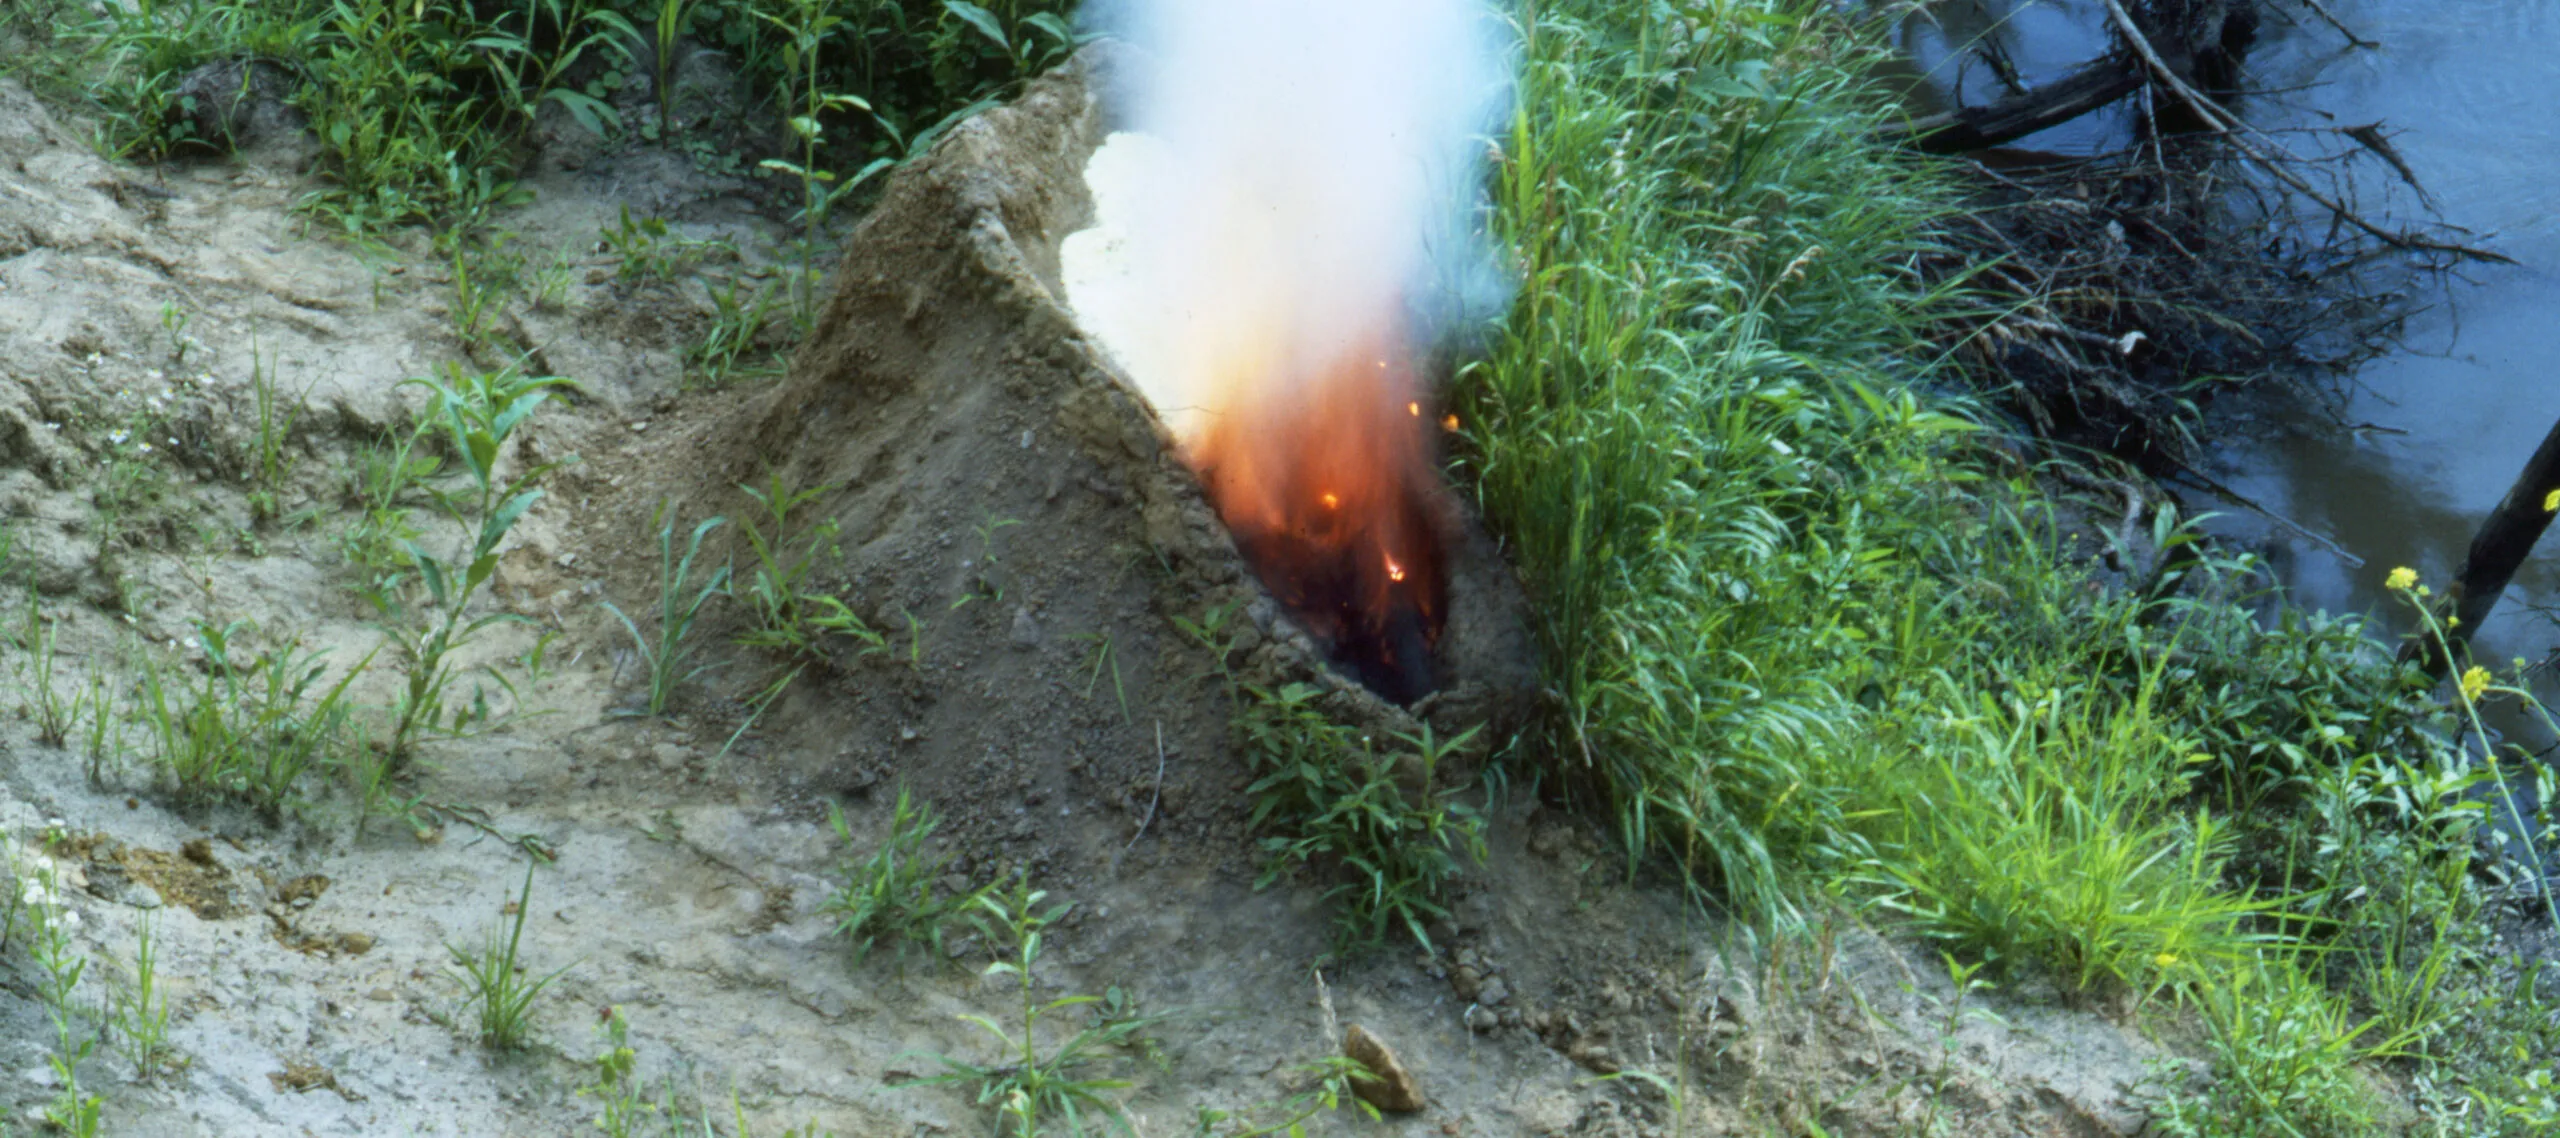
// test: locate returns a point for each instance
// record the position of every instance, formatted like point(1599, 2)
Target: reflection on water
point(2420, 444)
point(1971, 52)
point(2453, 416)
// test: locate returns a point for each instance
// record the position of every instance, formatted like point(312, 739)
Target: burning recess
point(1273, 255)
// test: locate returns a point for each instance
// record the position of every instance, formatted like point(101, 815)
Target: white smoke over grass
point(1302, 185)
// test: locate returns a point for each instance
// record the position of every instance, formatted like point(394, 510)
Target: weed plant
point(1032, 1085)
point(246, 723)
point(648, 250)
point(497, 994)
point(270, 461)
point(422, 107)
point(1334, 802)
point(60, 967)
point(424, 604)
point(680, 602)
point(896, 894)
point(139, 1014)
point(1331, 1077)
point(54, 715)
point(790, 613)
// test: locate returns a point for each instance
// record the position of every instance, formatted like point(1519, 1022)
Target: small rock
point(1026, 632)
point(1393, 1090)
point(1493, 993)
point(200, 851)
point(355, 944)
point(1466, 981)
point(1596, 1057)
point(382, 996)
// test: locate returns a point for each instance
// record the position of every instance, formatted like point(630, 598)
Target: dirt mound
point(1014, 517)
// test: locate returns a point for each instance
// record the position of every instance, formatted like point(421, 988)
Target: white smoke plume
point(1301, 184)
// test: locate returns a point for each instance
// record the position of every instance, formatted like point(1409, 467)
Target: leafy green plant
point(424, 603)
point(1031, 1083)
point(498, 995)
point(617, 1088)
point(59, 970)
point(742, 311)
point(1105, 655)
point(54, 715)
point(1332, 1077)
point(174, 321)
point(248, 724)
point(1336, 803)
point(140, 1012)
point(2044, 833)
point(2284, 1056)
point(270, 459)
point(672, 19)
point(648, 249)
point(680, 600)
point(895, 894)
point(789, 614)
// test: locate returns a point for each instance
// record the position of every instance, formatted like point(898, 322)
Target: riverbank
point(1815, 640)
point(1878, 787)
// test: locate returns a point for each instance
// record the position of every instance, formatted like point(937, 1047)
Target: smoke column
point(1299, 187)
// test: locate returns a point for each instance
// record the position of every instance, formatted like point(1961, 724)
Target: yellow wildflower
point(2400, 578)
point(2474, 684)
point(2453, 620)
point(2165, 961)
point(2551, 502)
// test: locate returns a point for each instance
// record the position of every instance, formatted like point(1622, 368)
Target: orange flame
point(1329, 486)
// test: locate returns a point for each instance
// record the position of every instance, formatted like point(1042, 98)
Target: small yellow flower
point(2453, 620)
point(2400, 578)
point(2165, 961)
point(2551, 502)
point(2425, 591)
point(2474, 684)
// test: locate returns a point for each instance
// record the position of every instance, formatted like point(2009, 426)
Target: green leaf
point(981, 19)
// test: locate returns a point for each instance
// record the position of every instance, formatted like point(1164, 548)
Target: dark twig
point(2230, 127)
point(2322, 10)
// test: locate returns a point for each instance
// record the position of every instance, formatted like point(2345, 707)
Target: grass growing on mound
point(1806, 641)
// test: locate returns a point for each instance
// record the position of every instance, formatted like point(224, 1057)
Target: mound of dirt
point(1016, 518)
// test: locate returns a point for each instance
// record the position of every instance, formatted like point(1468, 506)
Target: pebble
point(382, 995)
point(1026, 632)
point(1394, 1090)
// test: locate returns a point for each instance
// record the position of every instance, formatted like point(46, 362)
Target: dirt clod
point(1394, 1089)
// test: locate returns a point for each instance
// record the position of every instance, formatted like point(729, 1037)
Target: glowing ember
point(1286, 228)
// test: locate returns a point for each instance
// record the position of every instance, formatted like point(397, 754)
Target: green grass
point(246, 723)
point(1331, 800)
point(1804, 639)
point(1037, 1087)
point(423, 108)
point(680, 602)
point(498, 995)
point(896, 893)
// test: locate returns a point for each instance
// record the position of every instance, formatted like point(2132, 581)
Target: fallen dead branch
point(2278, 164)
